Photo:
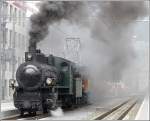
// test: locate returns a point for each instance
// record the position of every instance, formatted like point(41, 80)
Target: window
point(5, 35)
point(65, 66)
point(15, 38)
point(10, 66)
point(5, 10)
point(19, 17)
point(24, 18)
point(10, 13)
point(10, 38)
point(24, 42)
point(15, 14)
point(19, 40)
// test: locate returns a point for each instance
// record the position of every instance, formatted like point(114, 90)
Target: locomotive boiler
point(46, 82)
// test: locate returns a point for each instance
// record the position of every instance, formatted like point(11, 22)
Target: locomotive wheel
point(45, 110)
point(29, 112)
point(32, 113)
point(22, 113)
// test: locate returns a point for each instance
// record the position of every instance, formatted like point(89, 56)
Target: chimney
point(32, 47)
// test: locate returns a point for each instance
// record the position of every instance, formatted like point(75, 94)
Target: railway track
point(26, 117)
point(118, 112)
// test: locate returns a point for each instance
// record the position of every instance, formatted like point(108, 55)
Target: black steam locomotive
point(44, 83)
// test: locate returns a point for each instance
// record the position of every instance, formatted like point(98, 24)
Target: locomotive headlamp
point(12, 81)
point(48, 81)
point(29, 56)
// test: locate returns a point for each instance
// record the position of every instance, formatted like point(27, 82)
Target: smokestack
point(32, 47)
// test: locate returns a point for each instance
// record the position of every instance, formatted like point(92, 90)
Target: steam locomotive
point(46, 82)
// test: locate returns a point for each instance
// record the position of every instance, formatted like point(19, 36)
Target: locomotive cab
point(46, 82)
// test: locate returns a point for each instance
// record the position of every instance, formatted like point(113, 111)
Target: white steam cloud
point(51, 12)
point(110, 51)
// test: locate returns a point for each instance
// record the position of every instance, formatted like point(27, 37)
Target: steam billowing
point(112, 29)
point(109, 50)
point(51, 12)
point(112, 37)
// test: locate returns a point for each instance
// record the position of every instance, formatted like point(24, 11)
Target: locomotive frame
point(44, 83)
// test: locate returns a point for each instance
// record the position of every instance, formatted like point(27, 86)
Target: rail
point(117, 112)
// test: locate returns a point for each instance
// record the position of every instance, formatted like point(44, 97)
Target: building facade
point(72, 49)
point(14, 42)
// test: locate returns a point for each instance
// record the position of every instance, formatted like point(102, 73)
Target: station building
point(14, 43)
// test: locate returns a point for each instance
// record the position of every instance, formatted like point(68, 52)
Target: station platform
point(7, 106)
point(143, 113)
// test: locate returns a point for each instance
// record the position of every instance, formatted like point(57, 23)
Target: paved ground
point(6, 106)
point(143, 113)
point(8, 109)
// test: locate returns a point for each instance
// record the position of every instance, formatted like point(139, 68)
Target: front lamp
point(49, 81)
point(29, 56)
point(12, 81)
